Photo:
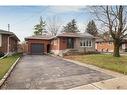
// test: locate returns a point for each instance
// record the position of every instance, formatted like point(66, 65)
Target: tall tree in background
point(53, 25)
point(40, 28)
point(114, 20)
point(91, 28)
point(71, 27)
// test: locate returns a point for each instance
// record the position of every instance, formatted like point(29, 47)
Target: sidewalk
point(115, 83)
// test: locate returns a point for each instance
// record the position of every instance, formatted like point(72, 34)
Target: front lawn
point(6, 63)
point(107, 61)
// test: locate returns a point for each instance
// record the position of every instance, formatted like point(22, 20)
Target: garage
point(38, 44)
point(37, 48)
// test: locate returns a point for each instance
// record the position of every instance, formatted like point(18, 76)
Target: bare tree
point(54, 25)
point(113, 19)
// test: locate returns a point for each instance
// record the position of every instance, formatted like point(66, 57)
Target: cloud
point(64, 9)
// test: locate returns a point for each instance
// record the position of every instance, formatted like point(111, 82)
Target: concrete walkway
point(47, 72)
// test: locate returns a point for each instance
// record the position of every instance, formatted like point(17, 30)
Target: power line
point(30, 17)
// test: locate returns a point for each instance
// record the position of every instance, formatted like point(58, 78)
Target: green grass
point(118, 64)
point(6, 63)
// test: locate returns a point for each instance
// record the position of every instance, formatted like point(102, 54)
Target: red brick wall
point(13, 43)
point(3, 48)
point(45, 42)
point(105, 46)
point(55, 44)
point(59, 43)
point(63, 43)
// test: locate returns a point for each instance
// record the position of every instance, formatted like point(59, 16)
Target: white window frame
point(86, 42)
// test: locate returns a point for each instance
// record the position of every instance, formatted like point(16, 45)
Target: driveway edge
point(8, 72)
point(118, 82)
point(106, 71)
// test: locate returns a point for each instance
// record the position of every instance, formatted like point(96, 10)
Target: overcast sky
point(23, 18)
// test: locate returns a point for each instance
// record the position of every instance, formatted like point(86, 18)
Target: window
point(86, 43)
point(90, 43)
point(0, 40)
point(80, 43)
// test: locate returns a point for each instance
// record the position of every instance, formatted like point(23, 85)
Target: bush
point(1, 54)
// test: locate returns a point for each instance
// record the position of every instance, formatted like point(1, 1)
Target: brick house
point(8, 42)
point(106, 45)
point(61, 43)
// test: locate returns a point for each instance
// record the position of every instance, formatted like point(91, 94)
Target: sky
point(23, 18)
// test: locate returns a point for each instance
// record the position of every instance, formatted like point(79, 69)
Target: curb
point(8, 72)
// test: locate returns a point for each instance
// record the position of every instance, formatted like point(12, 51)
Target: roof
point(104, 40)
point(9, 33)
point(100, 39)
point(48, 37)
point(87, 35)
point(5, 32)
point(45, 37)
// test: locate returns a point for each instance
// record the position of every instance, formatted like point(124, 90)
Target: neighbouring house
point(106, 45)
point(61, 43)
point(8, 42)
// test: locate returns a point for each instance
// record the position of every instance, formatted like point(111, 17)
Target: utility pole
point(8, 27)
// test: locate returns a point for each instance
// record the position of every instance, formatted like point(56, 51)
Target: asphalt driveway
point(46, 72)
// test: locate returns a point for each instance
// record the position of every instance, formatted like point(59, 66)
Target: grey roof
point(103, 40)
point(48, 37)
point(5, 32)
point(100, 39)
point(9, 33)
point(87, 35)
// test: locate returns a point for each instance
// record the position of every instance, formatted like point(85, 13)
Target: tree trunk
point(116, 49)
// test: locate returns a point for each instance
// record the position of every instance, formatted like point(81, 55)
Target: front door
point(48, 48)
point(70, 42)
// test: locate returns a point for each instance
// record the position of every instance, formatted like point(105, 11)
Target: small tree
point(40, 28)
point(71, 27)
point(91, 28)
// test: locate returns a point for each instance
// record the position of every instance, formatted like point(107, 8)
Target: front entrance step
point(71, 52)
